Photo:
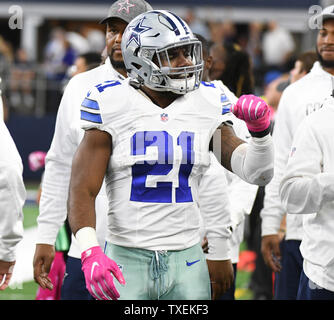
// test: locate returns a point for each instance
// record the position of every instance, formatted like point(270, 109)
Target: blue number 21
point(162, 193)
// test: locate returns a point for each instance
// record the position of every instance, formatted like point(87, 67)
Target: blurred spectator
point(4, 112)
point(78, 42)
point(86, 61)
point(303, 65)
point(254, 49)
point(196, 25)
point(95, 37)
point(22, 76)
point(233, 66)
point(254, 44)
point(229, 33)
point(58, 57)
point(6, 56)
point(54, 52)
point(217, 52)
point(6, 59)
point(216, 32)
point(278, 46)
point(273, 92)
point(83, 62)
point(237, 74)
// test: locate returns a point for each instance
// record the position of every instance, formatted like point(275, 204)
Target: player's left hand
point(6, 272)
point(254, 111)
point(221, 276)
point(98, 268)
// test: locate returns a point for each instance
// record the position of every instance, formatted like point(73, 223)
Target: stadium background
point(32, 127)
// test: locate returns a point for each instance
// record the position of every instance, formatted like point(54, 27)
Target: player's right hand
point(43, 258)
point(271, 251)
point(97, 268)
point(6, 272)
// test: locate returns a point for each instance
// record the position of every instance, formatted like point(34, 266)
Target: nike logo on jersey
point(192, 262)
point(95, 264)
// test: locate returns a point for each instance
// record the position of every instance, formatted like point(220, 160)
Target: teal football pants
point(161, 275)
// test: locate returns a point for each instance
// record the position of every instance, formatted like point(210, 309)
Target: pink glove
point(56, 275)
point(36, 160)
point(99, 281)
point(255, 112)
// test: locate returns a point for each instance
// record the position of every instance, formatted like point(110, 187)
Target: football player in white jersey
point(158, 135)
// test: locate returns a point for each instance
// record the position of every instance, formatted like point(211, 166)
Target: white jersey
point(158, 158)
point(12, 196)
point(66, 139)
point(298, 100)
point(308, 188)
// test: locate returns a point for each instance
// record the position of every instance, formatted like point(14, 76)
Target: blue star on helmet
point(137, 30)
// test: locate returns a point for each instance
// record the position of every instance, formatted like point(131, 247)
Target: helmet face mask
point(152, 43)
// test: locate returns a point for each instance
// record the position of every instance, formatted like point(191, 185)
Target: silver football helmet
point(150, 42)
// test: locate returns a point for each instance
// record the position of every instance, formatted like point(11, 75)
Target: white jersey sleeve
point(12, 196)
point(305, 188)
point(98, 110)
point(57, 172)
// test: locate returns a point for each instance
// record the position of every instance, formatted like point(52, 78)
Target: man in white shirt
point(67, 137)
point(298, 101)
point(307, 189)
point(12, 198)
point(278, 45)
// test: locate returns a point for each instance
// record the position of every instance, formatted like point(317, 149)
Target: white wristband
point(86, 238)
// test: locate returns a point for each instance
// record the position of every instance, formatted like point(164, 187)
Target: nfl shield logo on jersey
point(164, 117)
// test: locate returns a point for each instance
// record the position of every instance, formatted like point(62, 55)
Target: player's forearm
point(12, 199)
point(81, 213)
point(302, 195)
point(273, 210)
point(254, 162)
point(81, 208)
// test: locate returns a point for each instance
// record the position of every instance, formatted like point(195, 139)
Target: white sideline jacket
point(12, 196)
point(298, 100)
point(307, 190)
point(66, 139)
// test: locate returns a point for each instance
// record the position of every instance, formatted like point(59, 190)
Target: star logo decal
point(125, 5)
point(137, 30)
